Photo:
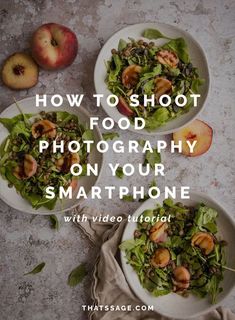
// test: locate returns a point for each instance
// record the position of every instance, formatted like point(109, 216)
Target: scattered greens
point(37, 269)
point(205, 268)
point(152, 158)
point(21, 142)
point(54, 222)
point(119, 173)
point(77, 275)
point(128, 198)
point(183, 77)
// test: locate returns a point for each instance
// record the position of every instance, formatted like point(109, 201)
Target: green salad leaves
point(188, 244)
point(146, 69)
point(30, 171)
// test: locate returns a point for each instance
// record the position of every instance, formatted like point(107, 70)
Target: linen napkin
point(109, 285)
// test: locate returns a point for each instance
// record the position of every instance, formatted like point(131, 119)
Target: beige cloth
point(109, 286)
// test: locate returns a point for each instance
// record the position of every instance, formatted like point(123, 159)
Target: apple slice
point(123, 107)
point(199, 131)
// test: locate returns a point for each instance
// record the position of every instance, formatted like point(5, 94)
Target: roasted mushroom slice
point(181, 278)
point(64, 163)
point(26, 169)
point(44, 127)
point(130, 76)
point(168, 57)
point(157, 232)
point(161, 258)
point(162, 86)
point(204, 241)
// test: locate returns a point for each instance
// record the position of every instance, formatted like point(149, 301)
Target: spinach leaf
point(180, 47)
point(153, 34)
point(77, 275)
point(37, 269)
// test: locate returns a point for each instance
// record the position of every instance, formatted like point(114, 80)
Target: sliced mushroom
point(64, 163)
point(162, 86)
point(168, 57)
point(204, 241)
point(130, 76)
point(158, 231)
point(161, 258)
point(44, 127)
point(26, 169)
point(181, 278)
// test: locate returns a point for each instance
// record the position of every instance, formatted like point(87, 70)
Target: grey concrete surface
point(24, 241)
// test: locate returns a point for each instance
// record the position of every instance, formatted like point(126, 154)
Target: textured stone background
point(26, 241)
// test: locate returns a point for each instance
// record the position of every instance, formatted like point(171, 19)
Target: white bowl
point(173, 305)
point(14, 199)
point(197, 56)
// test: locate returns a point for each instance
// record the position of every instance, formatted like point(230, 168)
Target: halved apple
point(199, 131)
point(124, 108)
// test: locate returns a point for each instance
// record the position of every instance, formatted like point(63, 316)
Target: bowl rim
point(155, 201)
point(78, 202)
point(206, 66)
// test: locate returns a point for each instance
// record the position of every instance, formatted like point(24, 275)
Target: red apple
point(199, 131)
point(54, 46)
point(124, 108)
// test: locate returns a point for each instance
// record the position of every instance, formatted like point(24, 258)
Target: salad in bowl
point(159, 66)
point(26, 171)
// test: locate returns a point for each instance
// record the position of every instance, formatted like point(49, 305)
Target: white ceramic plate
point(173, 305)
point(9, 195)
point(197, 56)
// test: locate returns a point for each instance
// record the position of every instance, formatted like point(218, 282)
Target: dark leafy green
point(77, 275)
point(37, 269)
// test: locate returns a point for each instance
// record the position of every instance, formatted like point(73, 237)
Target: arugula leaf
point(110, 135)
point(77, 275)
point(10, 123)
point(153, 34)
point(130, 244)
point(213, 287)
point(37, 269)
point(54, 222)
point(112, 77)
point(20, 128)
point(119, 173)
